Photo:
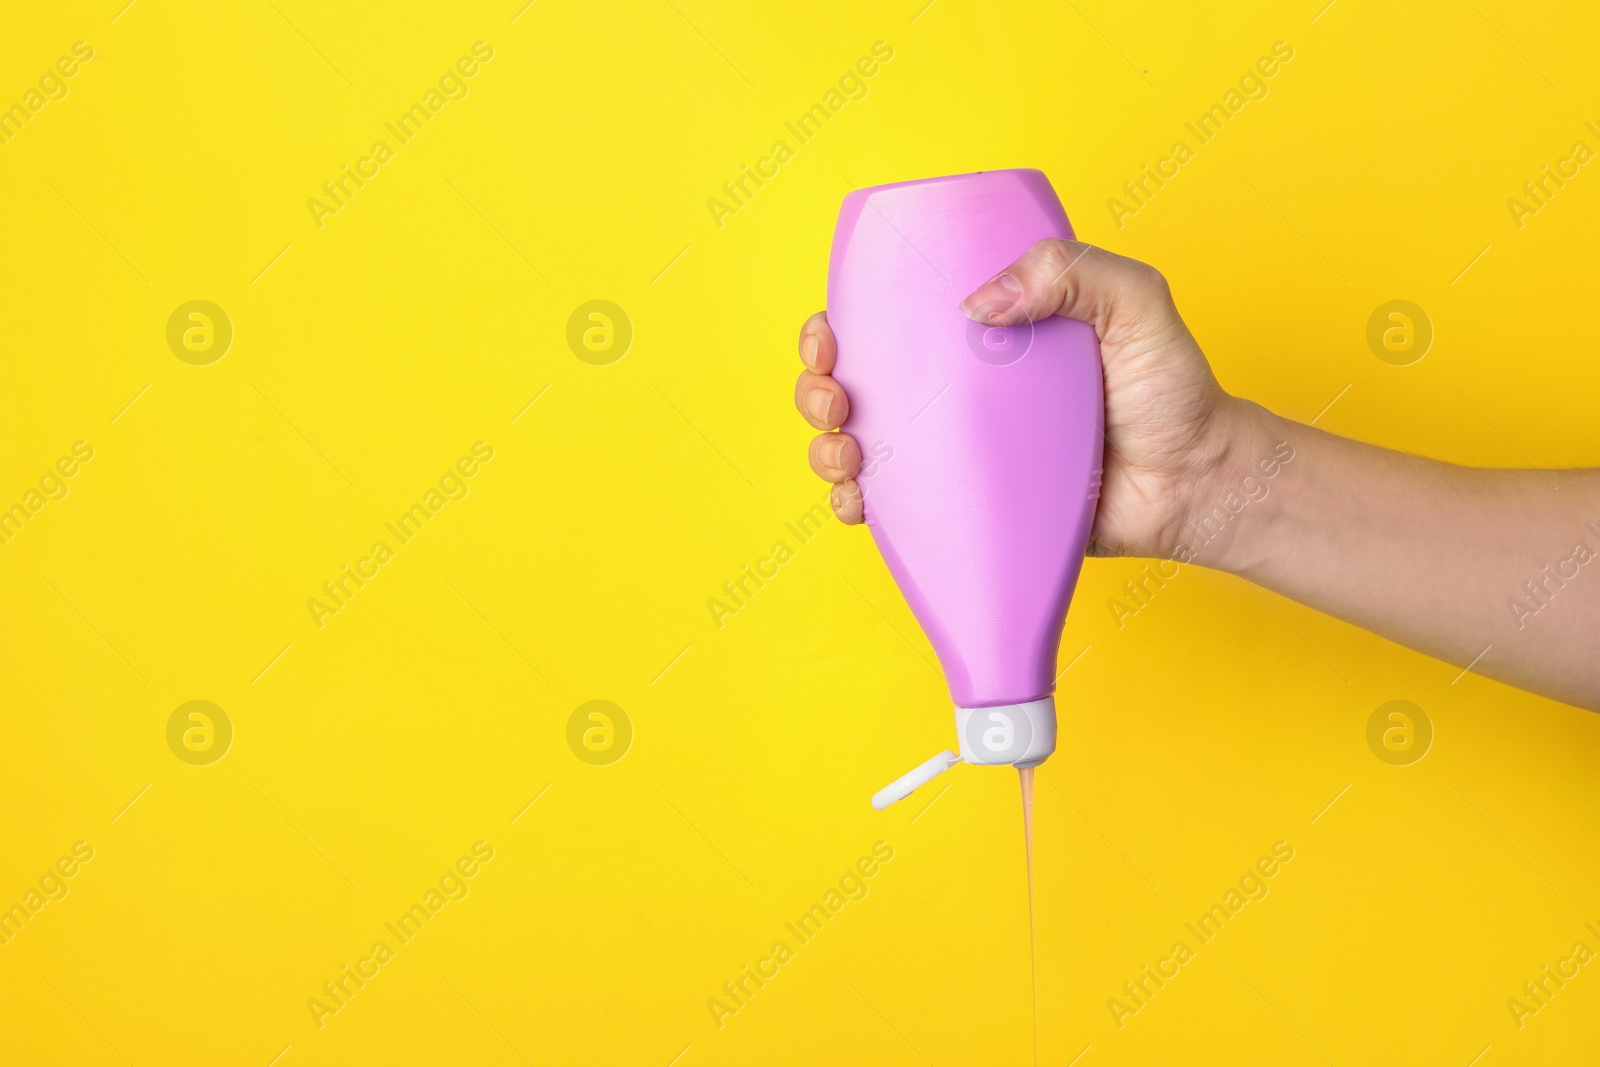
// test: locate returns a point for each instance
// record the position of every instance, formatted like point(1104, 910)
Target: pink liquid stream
point(1025, 779)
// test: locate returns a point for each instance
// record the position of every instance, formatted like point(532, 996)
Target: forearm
point(1495, 568)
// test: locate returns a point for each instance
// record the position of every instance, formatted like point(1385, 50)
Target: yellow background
point(427, 714)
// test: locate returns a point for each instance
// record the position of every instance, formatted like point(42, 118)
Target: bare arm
point(1496, 569)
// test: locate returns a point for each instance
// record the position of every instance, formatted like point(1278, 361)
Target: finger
point(821, 400)
point(1064, 277)
point(846, 502)
point(835, 456)
point(818, 349)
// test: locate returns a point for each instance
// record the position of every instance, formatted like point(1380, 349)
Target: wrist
point(1247, 453)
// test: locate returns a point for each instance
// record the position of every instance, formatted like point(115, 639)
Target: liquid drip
point(1025, 779)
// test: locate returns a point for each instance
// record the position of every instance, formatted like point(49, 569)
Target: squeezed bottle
point(984, 514)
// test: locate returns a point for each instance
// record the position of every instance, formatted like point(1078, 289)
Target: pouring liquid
point(1025, 780)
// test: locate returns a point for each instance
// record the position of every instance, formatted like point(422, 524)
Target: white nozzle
point(904, 785)
point(1020, 735)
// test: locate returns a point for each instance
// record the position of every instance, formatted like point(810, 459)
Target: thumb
point(1065, 277)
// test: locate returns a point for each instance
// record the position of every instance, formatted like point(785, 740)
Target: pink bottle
point(988, 443)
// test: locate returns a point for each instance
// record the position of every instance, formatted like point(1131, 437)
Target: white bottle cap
point(1022, 735)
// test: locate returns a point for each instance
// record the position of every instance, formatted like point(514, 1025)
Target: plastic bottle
point(983, 508)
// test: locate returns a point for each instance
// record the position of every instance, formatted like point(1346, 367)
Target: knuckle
point(1051, 256)
point(1152, 280)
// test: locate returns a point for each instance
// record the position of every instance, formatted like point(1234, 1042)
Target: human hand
point(1165, 416)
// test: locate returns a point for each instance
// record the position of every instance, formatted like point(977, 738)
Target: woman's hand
point(1165, 413)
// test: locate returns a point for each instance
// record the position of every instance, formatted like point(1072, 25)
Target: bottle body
point(987, 440)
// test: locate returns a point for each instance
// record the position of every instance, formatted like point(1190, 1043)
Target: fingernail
point(818, 404)
point(833, 453)
point(808, 351)
point(993, 298)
